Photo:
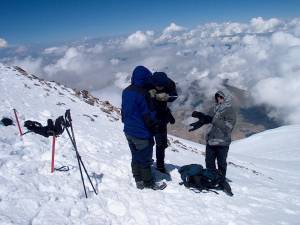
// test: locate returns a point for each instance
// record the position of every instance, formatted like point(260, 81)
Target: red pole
point(16, 115)
point(53, 153)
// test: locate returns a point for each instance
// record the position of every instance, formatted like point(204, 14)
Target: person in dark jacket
point(163, 91)
point(222, 118)
point(140, 123)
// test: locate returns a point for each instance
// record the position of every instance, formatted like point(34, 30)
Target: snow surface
point(264, 169)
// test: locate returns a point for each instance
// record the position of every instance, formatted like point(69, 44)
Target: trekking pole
point(16, 115)
point(77, 156)
point(72, 138)
point(85, 170)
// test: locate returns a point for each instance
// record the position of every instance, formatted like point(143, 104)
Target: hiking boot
point(226, 188)
point(162, 170)
point(140, 185)
point(156, 186)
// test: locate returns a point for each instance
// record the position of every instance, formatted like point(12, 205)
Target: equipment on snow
point(17, 119)
point(68, 123)
point(7, 121)
point(55, 129)
point(198, 179)
point(52, 129)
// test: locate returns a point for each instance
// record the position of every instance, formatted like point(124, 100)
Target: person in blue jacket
point(140, 123)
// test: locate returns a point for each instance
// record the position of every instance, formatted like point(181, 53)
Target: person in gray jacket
point(222, 118)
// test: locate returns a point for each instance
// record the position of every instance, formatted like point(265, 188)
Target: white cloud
point(261, 56)
point(170, 33)
point(138, 40)
point(29, 64)
point(55, 50)
point(285, 39)
point(173, 28)
point(260, 25)
point(3, 43)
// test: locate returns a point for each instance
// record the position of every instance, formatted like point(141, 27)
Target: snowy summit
point(264, 168)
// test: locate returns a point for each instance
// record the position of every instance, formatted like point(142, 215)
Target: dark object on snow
point(198, 179)
point(202, 119)
point(51, 129)
point(7, 122)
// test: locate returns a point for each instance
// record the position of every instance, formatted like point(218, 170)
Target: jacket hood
point(160, 79)
point(140, 75)
point(227, 98)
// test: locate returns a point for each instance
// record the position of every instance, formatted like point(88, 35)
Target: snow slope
point(264, 169)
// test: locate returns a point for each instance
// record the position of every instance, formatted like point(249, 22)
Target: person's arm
point(148, 115)
point(172, 92)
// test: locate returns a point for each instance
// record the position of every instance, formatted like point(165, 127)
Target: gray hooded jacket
point(223, 121)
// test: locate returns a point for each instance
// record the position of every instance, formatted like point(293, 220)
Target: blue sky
point(46, 21)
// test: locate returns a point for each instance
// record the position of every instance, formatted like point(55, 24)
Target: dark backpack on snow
point(51, 129)
point(195, 177)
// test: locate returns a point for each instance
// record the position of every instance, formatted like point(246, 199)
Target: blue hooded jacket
point(137, 114)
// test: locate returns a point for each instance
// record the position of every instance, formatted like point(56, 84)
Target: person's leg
point(134, 163)
point(222, 152)
point(210, 157)
point(161, 144)
point(143, 157)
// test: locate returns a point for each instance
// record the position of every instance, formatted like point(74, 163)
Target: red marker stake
point(53, 154)
point(16, 115)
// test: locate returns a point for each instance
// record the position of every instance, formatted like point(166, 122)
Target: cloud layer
point(261, 56)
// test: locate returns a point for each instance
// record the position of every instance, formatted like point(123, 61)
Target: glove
point(205, 119)
point(152, 93)
point(198, 115)
point(171, 118)
point(163, 97)
point(196, 125)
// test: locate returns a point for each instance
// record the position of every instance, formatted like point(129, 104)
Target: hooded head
point(219, 94)
point(227, 98)
point(140, 76)
point(160, 79)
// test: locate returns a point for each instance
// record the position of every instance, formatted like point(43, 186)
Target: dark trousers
point(141, 151)
point(161, 141)
point(218, 153)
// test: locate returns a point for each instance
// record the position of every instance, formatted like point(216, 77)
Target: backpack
point(196, 178)
point(51, 129)
point(7, 121)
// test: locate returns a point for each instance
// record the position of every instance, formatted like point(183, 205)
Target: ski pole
point(16, 115)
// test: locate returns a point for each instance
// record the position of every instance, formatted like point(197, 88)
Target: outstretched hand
point(162, 97)
point(196, 125)
point(203, 119)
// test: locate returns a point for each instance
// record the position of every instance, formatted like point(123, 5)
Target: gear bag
point(51, 129)
point(195, 177)
point(7, 121)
